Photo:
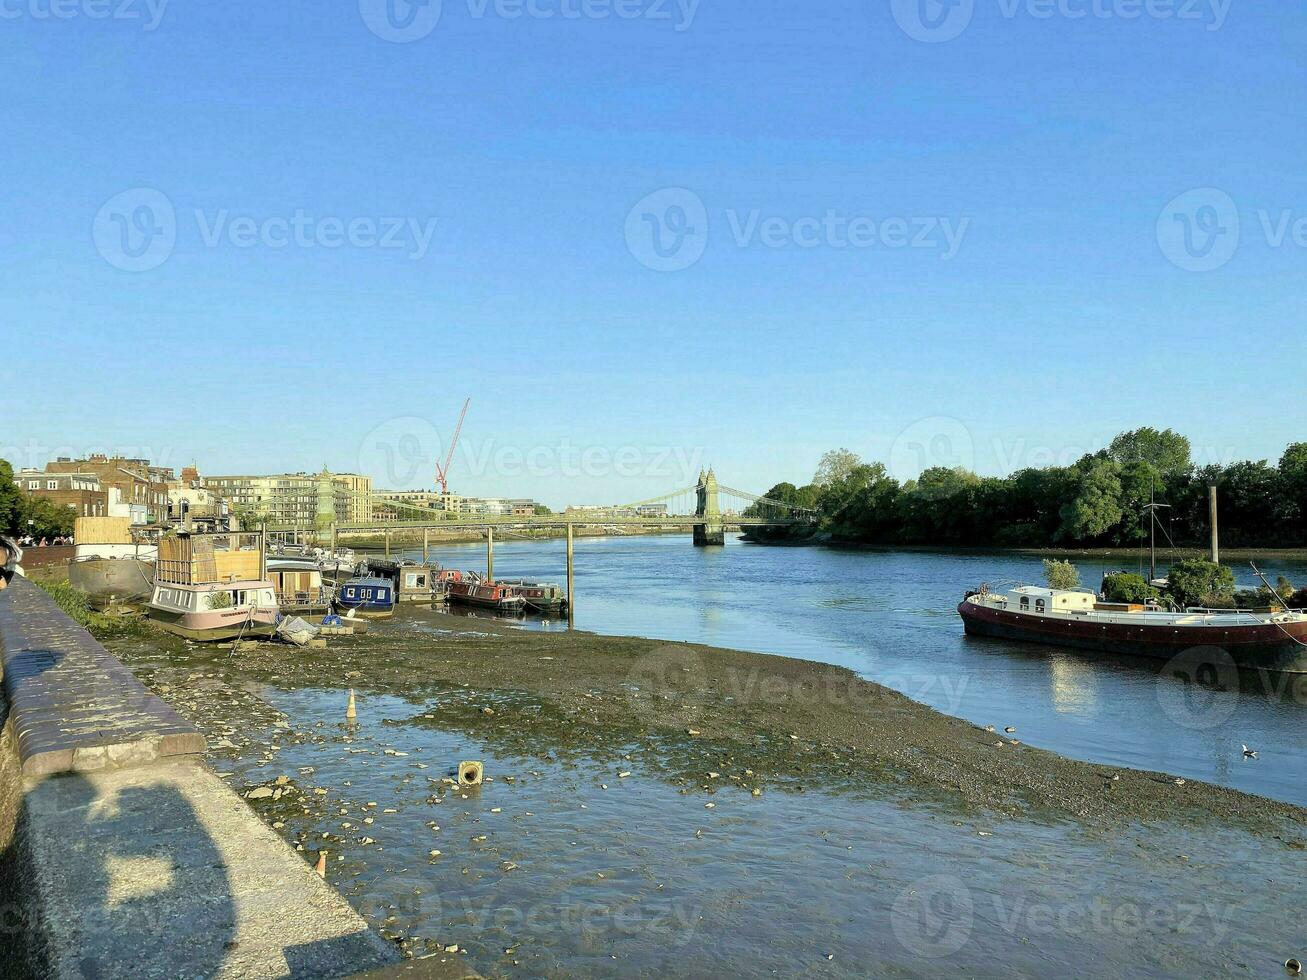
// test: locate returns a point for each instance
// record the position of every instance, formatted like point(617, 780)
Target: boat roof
point(370, 580)
point(1045, 592)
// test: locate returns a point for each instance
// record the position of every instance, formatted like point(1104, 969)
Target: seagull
point(1249, 753)
point(1009, 729)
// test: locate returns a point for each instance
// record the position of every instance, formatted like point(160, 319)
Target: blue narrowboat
point(368, 596)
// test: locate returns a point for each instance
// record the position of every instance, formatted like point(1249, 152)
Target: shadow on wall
point(148, 885)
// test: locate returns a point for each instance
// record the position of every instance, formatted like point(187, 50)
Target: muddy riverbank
point(762, 721)
point(679, 809)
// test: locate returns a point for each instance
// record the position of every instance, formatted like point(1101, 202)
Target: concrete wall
point(121, 854)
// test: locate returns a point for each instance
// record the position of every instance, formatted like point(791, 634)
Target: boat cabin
point(1035, 599)
point(368, 595)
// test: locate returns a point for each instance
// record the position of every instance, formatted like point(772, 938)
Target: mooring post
point(490, 553)
point(571, 594)
point(333, 537)
point(387, 542)
point(426, 542)
point(1216, 537)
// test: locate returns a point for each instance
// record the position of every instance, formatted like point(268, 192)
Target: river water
point(891, 616)
point(589, 860)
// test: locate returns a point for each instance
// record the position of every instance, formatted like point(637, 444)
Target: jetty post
point(426, 543)
point(490, 552)
point(571, 591)
point(1211, 510)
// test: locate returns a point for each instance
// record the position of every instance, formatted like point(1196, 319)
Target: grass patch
point(75, 604)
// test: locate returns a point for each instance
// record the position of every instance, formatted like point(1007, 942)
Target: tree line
point(1099, 501)
point(23, 513)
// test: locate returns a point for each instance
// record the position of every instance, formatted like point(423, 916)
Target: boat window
point(1025, 602)
point(1039, 604)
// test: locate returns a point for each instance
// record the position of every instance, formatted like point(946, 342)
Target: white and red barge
point(1270, 639)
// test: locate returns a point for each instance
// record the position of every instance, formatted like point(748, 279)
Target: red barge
point(1270, 639)
point(487, 594)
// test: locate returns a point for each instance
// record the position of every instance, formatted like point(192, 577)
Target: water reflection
point(891, 616)
point(560, 865)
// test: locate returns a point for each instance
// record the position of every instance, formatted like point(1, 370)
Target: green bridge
point(698, 507)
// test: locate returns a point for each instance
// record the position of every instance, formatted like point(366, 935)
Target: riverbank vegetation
point(75, 603)
point(1099, 501)
point(22, 513)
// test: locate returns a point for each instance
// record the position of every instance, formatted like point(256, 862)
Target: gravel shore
point(766, 722)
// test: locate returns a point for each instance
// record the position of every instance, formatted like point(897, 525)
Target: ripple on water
point(574, 878)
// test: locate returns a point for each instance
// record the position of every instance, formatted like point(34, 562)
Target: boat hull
point(496, 597)
point(215, 625)
point(106, 580)
point(367, 611)
point(1264, 646)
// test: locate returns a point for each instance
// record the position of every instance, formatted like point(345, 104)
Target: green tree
point(11, 500)
point(1140, 483)
point(1195, 581)
point(251, 516)
point(1096, 507)
point(542, 511)
point(42, 519)
point(1166, 451)
point(1061, 574)
point(836, 466)
point(1293, 490)
point(1128, 587)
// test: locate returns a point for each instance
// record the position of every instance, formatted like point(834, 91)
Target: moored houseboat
point(414, 582)
point(368, 595)
point(299, 586)
point(540, 597)
point(213, 587)
point(1270, 639)
point(487, 594)
point(109, 565)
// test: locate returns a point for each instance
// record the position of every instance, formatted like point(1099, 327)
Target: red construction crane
point(442, 472)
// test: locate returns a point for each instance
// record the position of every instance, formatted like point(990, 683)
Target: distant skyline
point(674, 234)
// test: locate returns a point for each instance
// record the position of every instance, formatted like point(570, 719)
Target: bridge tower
point(326, 511)
point(711, 533)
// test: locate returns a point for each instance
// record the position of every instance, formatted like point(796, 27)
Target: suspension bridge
point(707, 508)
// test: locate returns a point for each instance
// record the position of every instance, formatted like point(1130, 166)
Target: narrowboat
point(107, 564)
point(414, 582)
point(368, 595)
point(540, 597)
point(1270, 639)
point(299, 586)
point(487, 594)
point(213, 587)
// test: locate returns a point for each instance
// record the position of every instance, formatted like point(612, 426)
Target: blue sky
point(967, 250)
